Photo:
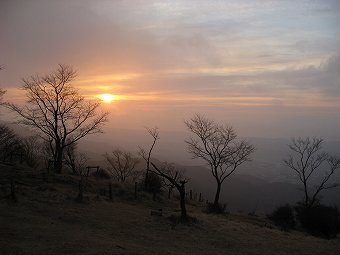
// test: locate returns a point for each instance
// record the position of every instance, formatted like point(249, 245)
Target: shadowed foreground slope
point(47, 220)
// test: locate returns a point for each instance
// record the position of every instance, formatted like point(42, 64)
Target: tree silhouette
point(75, 160)
point(122, 165)
point(176, 174)
point(9, 143)
point(173, 178)
point(32, 148)
point(146, 155)
point(56, 109)
point(219, 147)
point(307, 159)
point(2, 91)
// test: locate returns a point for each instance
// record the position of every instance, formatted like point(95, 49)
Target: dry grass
point(47, 220)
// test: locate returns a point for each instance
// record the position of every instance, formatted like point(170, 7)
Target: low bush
point(283, 217)
point(319, 220)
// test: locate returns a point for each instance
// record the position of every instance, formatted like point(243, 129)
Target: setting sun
point(107, 98)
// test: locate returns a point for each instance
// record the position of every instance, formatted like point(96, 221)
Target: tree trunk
point(217, 195)
point(58, 163)
point(169, 192)
point(146, 179)
point(74, 170)
point(181, 190)
point(306, 195)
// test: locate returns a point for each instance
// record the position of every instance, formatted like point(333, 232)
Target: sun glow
point(107, 98)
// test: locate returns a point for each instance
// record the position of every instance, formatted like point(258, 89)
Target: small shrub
point(220, 209)
point(319, 220)
point(283, 217)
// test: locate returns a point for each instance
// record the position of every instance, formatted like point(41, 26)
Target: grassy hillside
point(46, 219)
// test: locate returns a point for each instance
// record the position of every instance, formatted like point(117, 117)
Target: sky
point(268, 68)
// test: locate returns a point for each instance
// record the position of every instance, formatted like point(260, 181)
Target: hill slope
point(47, 220)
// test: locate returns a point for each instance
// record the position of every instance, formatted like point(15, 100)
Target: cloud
point(105, 37)
point(323, 79)
point(311, 86)
point(212, 49)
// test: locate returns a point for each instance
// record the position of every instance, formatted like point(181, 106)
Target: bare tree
point(9, 143)
point(75, 160)
point(146, 155)
point(219, 147)
point(32, 147)
point(175, 174)
point(56, 109)
point(2, 92)
point(122, 165)
point(307, 160)
point(173, 178)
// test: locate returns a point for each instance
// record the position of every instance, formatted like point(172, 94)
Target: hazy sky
point(269, 68)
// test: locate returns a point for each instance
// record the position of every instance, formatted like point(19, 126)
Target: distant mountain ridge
point(259, 185)
point(250, 194)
